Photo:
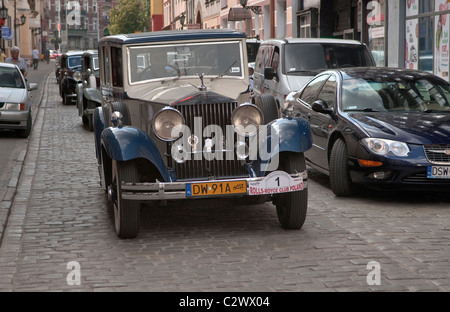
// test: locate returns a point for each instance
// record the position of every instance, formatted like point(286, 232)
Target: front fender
point(79, 92)
point(294, 134)
point(282, 135)
point(93, 94)
point(127, 143)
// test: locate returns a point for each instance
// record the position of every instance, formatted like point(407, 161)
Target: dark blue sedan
point(379, 127)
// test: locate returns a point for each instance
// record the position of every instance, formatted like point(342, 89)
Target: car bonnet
point(13, 95)
point(409, 127)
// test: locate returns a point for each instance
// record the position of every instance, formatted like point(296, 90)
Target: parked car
point(164, 94)
point(55, 54)
point(87, 90)
point(69, 75)
point(286, 65)
point(15, 106)
point(377, 127)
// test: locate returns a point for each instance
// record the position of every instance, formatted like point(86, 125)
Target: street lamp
point(23, 19)
point(254, 9)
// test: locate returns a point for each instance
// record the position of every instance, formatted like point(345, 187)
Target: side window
point(310, 92)
point(259, 63)
point(116, 62)
point(105, 66)
point(328, 92)
point(275, 62)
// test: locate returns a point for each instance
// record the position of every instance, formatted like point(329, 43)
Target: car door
point(321, 88)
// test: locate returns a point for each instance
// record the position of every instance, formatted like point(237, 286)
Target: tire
point(25, 133)
point(90, 122)
point(126, 212)
point(268, 107)
point(292, 207)
point(340, 180)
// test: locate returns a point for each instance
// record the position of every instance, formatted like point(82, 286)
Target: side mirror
point(269, 73)
point(320, 107)
point(32, 86)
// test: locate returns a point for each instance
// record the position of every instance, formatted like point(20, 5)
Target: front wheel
point(340, 180)
point(126, 212)
point(292, 207)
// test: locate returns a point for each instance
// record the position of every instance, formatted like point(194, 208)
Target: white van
point(286, 65)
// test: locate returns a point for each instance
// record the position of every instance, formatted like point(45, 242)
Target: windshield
point(10, 78)
point(304, 58)
point(73, 61)
point(96, 63)
point(421, 95)
point(212, 59)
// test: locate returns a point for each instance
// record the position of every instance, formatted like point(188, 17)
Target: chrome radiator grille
point(438, 153)
point(211, 114)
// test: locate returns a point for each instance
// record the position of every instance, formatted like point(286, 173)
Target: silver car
point(15, 106)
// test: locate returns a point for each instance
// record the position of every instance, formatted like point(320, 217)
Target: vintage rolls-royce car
point(69, 75)
point(87, 90)
point(175, 124)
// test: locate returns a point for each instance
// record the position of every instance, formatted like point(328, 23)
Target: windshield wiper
point(221, 75)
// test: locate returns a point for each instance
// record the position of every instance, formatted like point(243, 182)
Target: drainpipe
point(272, 18)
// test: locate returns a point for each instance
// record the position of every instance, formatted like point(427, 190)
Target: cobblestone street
point(60, 214)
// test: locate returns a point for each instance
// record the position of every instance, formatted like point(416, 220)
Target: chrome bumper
point(177, 190)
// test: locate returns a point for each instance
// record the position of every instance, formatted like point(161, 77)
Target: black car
point(69, 75)
point(380, 127)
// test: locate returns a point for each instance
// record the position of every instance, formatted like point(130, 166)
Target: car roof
point(173, 35)
point(70, 53)
point(7, 65)
point(384, 73)
point(312, 40)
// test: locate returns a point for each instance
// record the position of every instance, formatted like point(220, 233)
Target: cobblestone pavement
point(60, 214)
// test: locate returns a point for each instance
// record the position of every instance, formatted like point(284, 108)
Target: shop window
point(308, 21)
point(426, 6)
point(426, 44)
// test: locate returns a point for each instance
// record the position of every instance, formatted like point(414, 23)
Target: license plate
point(216, 188)
point(438, 172)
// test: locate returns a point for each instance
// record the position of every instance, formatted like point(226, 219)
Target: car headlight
point(246, 119)
point(165, 121)
point(14, 106)
point(77, 76)
point(383, 147)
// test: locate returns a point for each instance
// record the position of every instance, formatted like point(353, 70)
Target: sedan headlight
point(77, 76)
point(14, 106)
point(246, 119)
point(165, 121)
point(383, 147)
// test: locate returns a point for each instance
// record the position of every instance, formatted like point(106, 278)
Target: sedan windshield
point(10, 78)
point(421, 95)
point(216, 59)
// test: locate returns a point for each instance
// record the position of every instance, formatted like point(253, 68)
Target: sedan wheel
point(126, 212)
point(292, 207)
point(25, 133)
point(340, 181)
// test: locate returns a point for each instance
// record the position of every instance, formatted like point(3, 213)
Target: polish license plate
point(216, 188)
point(438, 172)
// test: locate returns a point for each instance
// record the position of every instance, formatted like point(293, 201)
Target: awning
point(239, 14)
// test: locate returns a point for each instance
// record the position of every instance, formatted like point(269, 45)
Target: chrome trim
point(177, 190)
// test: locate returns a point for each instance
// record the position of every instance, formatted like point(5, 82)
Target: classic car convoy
point(173, 119)
point(15, 105)
point(379, 127)
point(174, 124)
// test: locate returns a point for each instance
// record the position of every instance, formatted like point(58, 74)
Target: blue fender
point(294, 134)
point(290, 135)
point(127, 143)
point(99, 126)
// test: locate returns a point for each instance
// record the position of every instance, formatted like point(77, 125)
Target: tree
point(128, 17)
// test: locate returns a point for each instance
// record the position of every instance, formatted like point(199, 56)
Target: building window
point(427, 34)
point(376, 29)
